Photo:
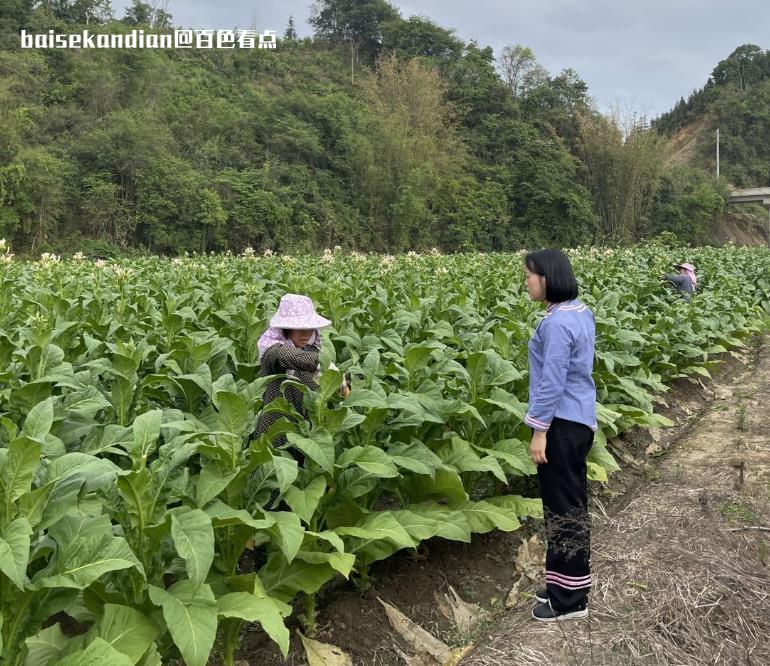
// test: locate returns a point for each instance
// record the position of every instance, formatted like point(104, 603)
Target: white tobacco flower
point(49, 258)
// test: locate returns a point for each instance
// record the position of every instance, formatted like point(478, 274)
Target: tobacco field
point(130, 490)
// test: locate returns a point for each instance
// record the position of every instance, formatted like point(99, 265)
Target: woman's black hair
point(553, 264)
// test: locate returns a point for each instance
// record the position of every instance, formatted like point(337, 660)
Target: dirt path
point(682, 570)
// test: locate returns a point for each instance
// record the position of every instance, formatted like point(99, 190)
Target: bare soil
point(747, 228)
point(673, 585)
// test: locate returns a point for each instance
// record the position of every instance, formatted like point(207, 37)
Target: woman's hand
point(345, 390)
point(537, 448)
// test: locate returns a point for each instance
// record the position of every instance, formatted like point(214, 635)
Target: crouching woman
point(290, 348)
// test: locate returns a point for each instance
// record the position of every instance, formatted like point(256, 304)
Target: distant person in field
point(562, 414)
point(291, 349)
point(684, 281)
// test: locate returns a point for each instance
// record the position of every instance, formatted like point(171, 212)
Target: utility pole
point(717, 153)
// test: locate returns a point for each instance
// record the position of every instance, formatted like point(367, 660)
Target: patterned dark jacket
point(297, 364)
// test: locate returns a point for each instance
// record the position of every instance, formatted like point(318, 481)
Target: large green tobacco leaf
point(377, 536)
point(212, 481)
point(451, 523)
point(39, 420)
point(341, 562)
point(193, 536)
point(286, 471)
point(190, 612)
point(415, 457)
point(18, 469)
point(284, 580)
point(287, 532)
point(446, 485)
point(233, 413)
point(86, 551)
point(518, 505)
point(223, 515)
point(304, 501)
point(98, 653)
point(146, 429)
point(484, 517)
point(371, 459)
point(86, 403)
point(319, 447)
point(46, 646)
point(460, 455)
point(127, 630)
point(79, 470)
point(251, 608)
point(514, 453)
point(600, 455)
point(14, 551)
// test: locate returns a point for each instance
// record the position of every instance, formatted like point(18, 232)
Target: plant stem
point(310, 614)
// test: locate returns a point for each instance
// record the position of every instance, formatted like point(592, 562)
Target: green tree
point(107, 216)
point(624, 169)
point(142, 13)
point(744, 67)
point(356, 23)
point(14, 15)
point(520, 70)
point(687, 203)
point(407, 146)
point(211, 217)
point(81, 11)
point(46, 177)
point(419, 37)
point(291, 31)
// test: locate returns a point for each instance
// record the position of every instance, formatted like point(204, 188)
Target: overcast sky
point(639, 55)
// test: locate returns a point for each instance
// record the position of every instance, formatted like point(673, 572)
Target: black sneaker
point(544, 613)
point(542, 595)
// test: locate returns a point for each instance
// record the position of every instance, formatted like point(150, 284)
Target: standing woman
point(562, 413)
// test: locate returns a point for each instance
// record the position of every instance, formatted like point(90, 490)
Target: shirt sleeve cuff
point(542, 426)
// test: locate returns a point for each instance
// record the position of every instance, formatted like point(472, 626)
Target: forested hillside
point(735, 99)
point(379, 133)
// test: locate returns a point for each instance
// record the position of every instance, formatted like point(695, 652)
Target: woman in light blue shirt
point(562, 414)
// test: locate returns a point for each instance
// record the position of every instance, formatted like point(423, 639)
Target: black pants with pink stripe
point(564, 490)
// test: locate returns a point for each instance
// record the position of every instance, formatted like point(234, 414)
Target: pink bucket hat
point(690, 270)
point(297, 312)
